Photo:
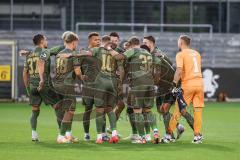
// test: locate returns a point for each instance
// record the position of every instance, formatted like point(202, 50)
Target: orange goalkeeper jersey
point(190, 62)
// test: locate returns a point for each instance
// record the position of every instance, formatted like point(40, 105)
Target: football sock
point(99, 122)
point(69, 129)
point(189, 119)
point(166, 119)
point(112, 120)
point(86, 119)
point(59, 115)
point(133, 123)
point(197, 120)
point(99, 136)
point(64, 127)
point(146, 123)
point(68, 133)
point(139, 120)
point(104, 124)
point(152, 120)
point(33, 119)
point(114, 133)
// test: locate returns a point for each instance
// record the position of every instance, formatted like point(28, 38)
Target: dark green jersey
point(31, 64)
point(160, 53)
point(119, 50)
point(108, 65)
point(90, 66)
point(65, 68)
point(166, 73)
point(46, 56)
point(139, 66)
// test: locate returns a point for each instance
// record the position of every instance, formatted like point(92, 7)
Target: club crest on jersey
point(43, 55)
point(210, 83)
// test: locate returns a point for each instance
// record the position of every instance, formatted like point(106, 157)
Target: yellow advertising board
point(5, 73)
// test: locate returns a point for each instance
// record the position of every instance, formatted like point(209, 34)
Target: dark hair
point(114, 34)
point(134, 41)
point(92, 34)
point(106, 38)
point(37, 39)
point(145, 47)
point(186, 39)
point(150, 38)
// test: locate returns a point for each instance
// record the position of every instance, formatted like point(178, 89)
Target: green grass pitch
point(221, 129)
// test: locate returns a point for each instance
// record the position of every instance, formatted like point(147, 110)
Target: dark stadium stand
point(220, 51)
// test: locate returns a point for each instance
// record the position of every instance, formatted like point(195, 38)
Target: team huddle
point(101, 69)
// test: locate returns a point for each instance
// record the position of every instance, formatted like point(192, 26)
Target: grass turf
point(221, 129)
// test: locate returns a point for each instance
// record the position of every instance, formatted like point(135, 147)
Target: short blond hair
point(65, 33)
point(70, 37)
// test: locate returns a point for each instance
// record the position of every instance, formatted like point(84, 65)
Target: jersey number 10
point(107, 64)
point(61, 66)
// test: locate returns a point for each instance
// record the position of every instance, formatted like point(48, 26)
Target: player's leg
point(120, 104)
point(132, 123)
point(86, 121)
point(151, 118)
point(163, 108)
point(69, 105)
point(33, 121)
point(134, 137)
point(176, 115)
point(139, 121)
point(50, 97)
point(147, 127)
point(119, 108)
point(169, 100)
point(100, 103)
point(113, 124)
point(188, 96)
point(99, 123)
point(183, 109)
point(35, 101)
point(110, 102)
point(87, 101)
point(104, 130)
point(198, 104)
point(164, 111)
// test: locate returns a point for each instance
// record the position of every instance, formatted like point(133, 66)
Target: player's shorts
point(88, 96)
point(105, 94)
point(144, 96)
point(67, 92)
point(167, 98)
point(47, 95)
point(194, 95)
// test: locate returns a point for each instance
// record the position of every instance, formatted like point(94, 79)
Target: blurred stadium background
point(213, 25)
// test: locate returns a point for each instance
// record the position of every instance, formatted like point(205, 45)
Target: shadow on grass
point(127, 146)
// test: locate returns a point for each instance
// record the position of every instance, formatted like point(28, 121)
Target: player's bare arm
point(41, 64)
point(79, 74)
point(157, 75)
point(26, 79)
point(177, 75)
point(24, 52)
